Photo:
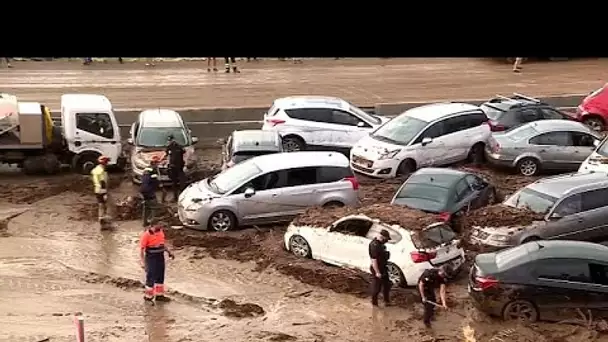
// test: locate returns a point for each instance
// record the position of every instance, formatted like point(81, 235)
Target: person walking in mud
point(209, 59)
point(379, 268)
point(8, 62)
point(230, 63)
point(150, 183)
point(428, 282)
point(175, 154)
point(99, 175)
point(152, 259)
point(517, 64)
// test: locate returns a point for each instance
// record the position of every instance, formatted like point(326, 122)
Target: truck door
point(95, 131)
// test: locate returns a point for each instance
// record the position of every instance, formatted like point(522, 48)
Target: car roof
point(160, 118)
point(563, 185)
point(566, 249)
point(255, 140)
point(436, 176)
point(543, 126)
point(82, 101)
point(435, 111)
point(310, 101)
point(291, 160)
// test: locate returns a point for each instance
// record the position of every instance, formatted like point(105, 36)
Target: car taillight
point(445, 217)
point(484, 283)
point(354, 182)
point(418, 257)
point(274, 122)
point(495, 127)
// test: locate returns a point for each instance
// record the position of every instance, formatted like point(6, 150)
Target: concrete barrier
point(210, 124)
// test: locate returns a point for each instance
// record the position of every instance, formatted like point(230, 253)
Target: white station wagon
point(345, 243)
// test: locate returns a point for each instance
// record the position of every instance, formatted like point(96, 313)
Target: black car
point(443, 191)
point(506, 113)
point(545, 280)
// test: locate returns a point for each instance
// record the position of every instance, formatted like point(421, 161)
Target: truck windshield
point(157, 136)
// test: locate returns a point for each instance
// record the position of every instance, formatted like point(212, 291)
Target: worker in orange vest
point(152, 258)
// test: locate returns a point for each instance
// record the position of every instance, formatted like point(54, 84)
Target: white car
point(319, 123)
point(598, 160)
point(431, 135)
point(345, 243)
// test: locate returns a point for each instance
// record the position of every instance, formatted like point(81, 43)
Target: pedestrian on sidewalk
point(120, 60)
point(87, 60)
point(230, 63)
point(297, 60)
point(209, 59)
point(8, 62)
point(517, 64)
point(150, 62)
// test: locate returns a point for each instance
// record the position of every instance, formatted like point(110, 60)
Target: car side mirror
point(361, 124)
point(130, 141)
point(426, 141)
point(194, 140)
point(249, 192)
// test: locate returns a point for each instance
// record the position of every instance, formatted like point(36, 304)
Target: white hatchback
point(431, 135)
point(319, 123)
point(598, 160)
point(345, 243)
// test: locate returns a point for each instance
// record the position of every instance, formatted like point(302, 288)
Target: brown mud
point(499, 215)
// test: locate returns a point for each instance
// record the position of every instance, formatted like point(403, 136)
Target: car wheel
point(595, 122)
point(520, 310)
point(299, 247)
point(222, 221)
point(528, 167)
point(293, 144)
point(333, 204)
point(477, 154)
point(85, 163)
point(406, 167)
point(395, 275)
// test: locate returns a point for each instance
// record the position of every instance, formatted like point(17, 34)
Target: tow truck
point(31, 140)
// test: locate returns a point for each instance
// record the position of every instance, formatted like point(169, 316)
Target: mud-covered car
point(246, 144)
point(443, 191)
point(149, 137)
point(566, 207)
point(341, 236)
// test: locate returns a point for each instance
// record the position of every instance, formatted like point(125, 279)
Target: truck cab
point(90, 130)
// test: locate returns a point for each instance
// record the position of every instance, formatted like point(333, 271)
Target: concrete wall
point(211, 124)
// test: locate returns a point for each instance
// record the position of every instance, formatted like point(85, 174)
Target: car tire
point(528, 167)
point(595, 122)
point(222, 221)
point(300, 247)
point(333, 204)
point(520, 310)
point(395, 275)
point(292, 143)
point(477, 154)
point(406, 167)
point(85, 163)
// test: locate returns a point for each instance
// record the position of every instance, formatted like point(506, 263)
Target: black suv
point(509, 112)
point(545, 280)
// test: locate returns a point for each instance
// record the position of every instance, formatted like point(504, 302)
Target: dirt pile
point(499, 215)
point(39, 189)
point(386, 213)
point(374, 191)
point(124, 209)
point(231, 308)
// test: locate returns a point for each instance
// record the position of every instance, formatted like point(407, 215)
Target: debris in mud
point(501, 216)
point(120, 282)
point(275, 336)
point(506, 183)
point(407, 218)
point(374, 191)
point(233, 309)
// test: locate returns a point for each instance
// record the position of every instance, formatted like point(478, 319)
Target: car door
point(349, 128)
point(345, 243)
point(457, 138)
point(599, 286)
point(434, 153)
point(584, 144)
point(264, 205)
point(314, 125)
point(555, 150)
point(300, 191)
point(578, 217)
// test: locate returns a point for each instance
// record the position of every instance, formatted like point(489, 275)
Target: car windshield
point(364, 115)
point(234, 177)
point(510, 257)
point(157, 136)
point(521, 133)
point(491, 112)
point(531, 199)
point(400, 131)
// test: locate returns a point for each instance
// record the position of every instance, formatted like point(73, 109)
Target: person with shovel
point(429, 281)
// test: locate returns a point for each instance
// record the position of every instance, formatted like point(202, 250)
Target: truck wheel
point(85, 163)
point(51, 164)
point(32, 165)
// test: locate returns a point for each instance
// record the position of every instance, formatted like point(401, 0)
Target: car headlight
point(389, 154)
point(501, 238)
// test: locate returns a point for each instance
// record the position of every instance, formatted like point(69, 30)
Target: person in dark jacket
point(429, 281)
point(379, 267)
point(175, 153)
point(150, 183)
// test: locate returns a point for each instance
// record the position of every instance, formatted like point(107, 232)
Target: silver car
point(270, 188)
point(246, 144)
point(547, 144)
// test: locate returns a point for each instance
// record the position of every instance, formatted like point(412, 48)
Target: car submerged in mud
point(341, 237)
point(565, 207)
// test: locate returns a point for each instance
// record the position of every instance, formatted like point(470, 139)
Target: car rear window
point(522, 133)
point(433, 237)
point(328, 174)
point(428, 192)
point(491, 112)
point(511, 257)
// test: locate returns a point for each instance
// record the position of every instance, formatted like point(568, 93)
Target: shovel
point(441, 306)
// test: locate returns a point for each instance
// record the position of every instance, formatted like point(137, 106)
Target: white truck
point(31, 140)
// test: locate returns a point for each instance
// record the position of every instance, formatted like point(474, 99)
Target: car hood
point(198, 190)
point(420, 204)
point(147, 153)
point(372, 148)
